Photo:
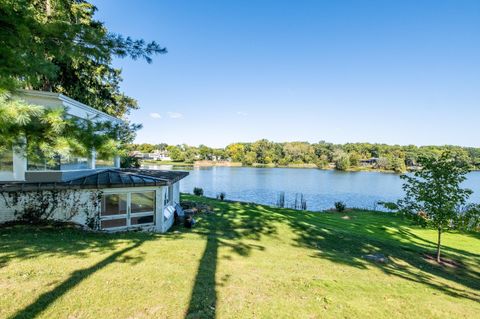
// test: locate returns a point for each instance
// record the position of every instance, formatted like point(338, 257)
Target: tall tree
point(57, 45)
point(434, 192)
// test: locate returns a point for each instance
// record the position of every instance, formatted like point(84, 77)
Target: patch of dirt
point(445, 262)
point(346, 217)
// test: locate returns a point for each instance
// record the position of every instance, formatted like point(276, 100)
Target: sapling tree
point(433, 194)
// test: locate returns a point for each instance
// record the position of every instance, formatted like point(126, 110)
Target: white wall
point(79, 205)
point(176, 192)
point(73, 205)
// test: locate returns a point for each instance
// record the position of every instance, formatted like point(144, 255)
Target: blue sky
point(397, 72)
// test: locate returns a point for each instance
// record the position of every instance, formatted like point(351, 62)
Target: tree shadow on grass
point(234, 229)
point(346, 242)
point(343, 239)
point(19, 245)
point(25, 242)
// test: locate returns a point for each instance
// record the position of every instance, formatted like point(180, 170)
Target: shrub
point(129, 162)
point(221, 196)
point(389, 205)
point(469, 218)
point(198, 191)
point(340, 206)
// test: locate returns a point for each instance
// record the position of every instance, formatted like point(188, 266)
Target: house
point(369, 162)
point(159, 155)
point(94, 192)
point(156, 155)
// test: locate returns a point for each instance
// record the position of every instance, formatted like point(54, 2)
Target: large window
point(6, 161)
point(40, 162)
point(128, 209)
point(114, 210)
point(104, 162)
point(143, 202)
point(114, 204)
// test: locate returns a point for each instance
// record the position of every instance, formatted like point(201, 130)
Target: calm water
point(321, 188)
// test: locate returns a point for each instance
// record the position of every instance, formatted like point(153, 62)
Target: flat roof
point(108, 178)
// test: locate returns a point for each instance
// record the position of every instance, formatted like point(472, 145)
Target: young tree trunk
point(48, 8)
point(439, 244)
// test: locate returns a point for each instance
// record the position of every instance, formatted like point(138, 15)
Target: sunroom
point(92, 191)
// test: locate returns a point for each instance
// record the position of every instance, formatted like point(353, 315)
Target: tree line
point(347, 156)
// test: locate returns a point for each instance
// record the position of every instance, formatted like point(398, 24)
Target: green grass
point(243, 261)
point(166, 163)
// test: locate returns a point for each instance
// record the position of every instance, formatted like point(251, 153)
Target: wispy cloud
point(175, 115)
point(155, 115)
point(242, 113)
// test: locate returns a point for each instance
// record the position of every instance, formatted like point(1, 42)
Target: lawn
point(242, 261)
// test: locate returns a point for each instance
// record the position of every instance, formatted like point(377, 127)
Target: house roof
point(74, 107)
point(109, 178)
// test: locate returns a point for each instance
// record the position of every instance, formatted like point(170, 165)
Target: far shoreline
point(258, 165)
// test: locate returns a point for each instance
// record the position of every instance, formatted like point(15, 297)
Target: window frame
point(129, 215)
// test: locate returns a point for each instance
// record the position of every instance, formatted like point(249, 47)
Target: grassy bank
point(152, 162)
point(258, 165)
point(241, 261)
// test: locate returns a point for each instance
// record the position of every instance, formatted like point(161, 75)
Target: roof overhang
point(72, 107)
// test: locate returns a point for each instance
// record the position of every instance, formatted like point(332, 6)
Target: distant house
point(156, 155)
point(159, 155)
point(369, 162)
point(93, 192)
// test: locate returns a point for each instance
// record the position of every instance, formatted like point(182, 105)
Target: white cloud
point(242, 113)
point(155, 115)
point(175, 115)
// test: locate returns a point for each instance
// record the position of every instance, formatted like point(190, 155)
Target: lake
point(321, 188)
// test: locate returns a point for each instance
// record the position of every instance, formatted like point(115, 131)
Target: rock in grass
point(379, 258)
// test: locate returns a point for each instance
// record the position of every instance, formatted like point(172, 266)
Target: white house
point(94, 192)
point(159, 155)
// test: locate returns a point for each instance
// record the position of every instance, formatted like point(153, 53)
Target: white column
point(19, 166)
point(176, 192)
point(93, 157)
point(116, 161)
point(159, 224)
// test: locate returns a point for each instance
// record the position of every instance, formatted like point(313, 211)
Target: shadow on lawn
point(330, 237)
point(24, 242)
point(234, 230)
point(24, 246)
point(346, 242)
point(238, 227)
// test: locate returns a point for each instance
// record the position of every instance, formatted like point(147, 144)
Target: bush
point(469, 218)
point(198, 191)
point(221, 196)
point(389, 205)
point(129, 162)
point(340, 206)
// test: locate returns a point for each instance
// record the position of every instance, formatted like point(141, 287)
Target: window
point(128, 209)
point(113, 223)
point(143, 202)
point(114, 204)
point(6, 161)
point(40, 162)
point(104, 162)
point(142, 220)
point(73, 162)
